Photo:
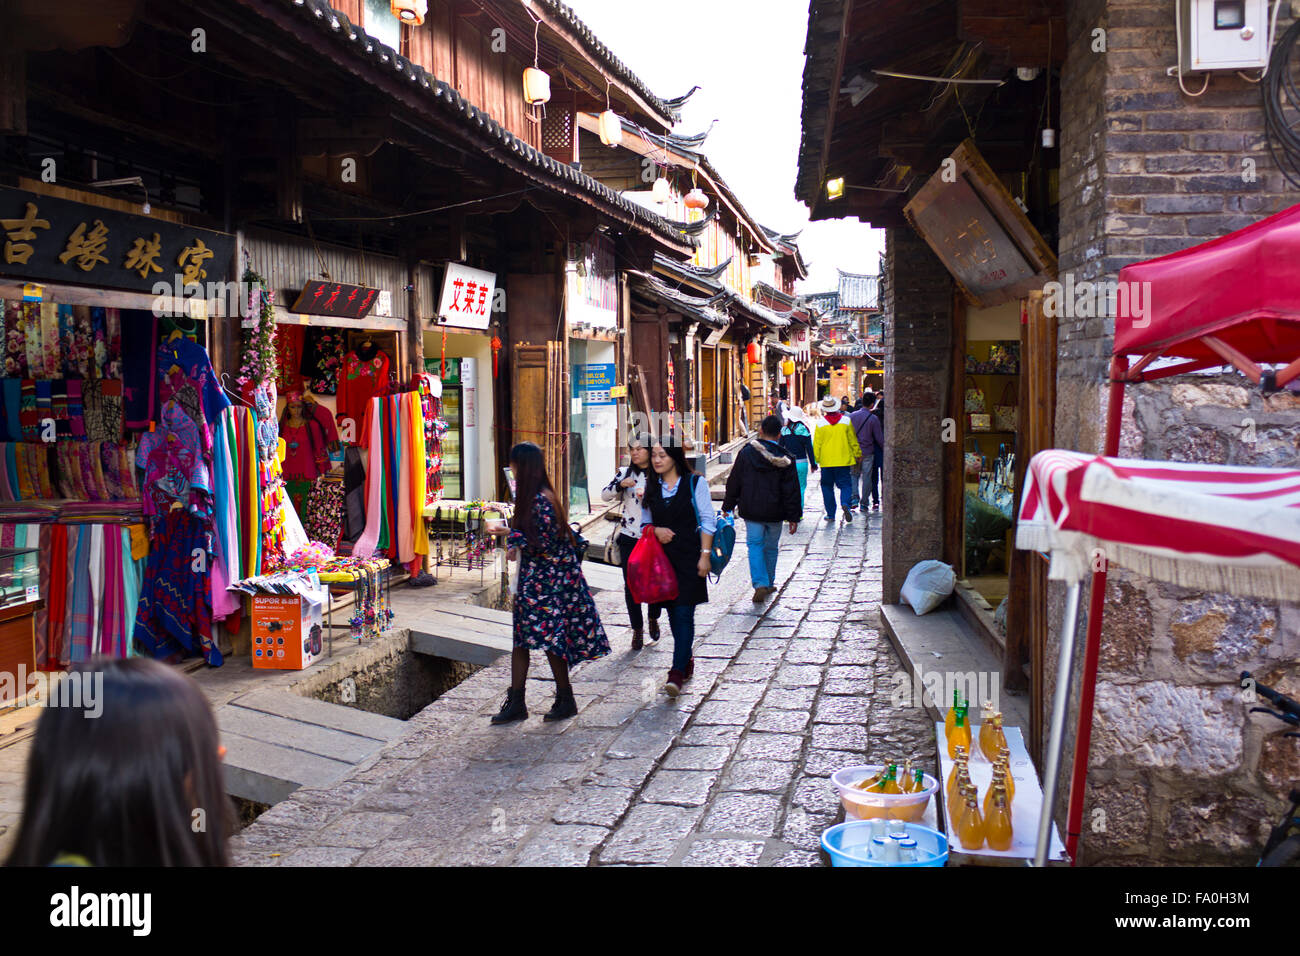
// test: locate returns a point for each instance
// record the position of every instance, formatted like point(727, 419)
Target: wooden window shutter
point(560, 129)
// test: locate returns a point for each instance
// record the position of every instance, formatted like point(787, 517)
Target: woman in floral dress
point(553, 608)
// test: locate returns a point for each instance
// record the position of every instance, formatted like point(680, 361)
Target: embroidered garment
point(361, 380)
point(174, 616)
point(174, 469)
point(322, 359)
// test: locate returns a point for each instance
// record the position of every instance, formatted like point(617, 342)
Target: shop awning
point(1212, 527)
point(1234, 300)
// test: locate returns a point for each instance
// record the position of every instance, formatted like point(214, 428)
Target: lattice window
point(558, 139)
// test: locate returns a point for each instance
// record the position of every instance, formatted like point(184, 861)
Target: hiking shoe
point(673, 685)
point(875, 506)
point(513, 708)
point(565, 706)
point(760, 595)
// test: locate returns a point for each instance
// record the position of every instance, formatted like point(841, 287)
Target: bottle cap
point(907, 844)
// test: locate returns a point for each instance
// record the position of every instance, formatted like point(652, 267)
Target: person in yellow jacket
point(836, 449)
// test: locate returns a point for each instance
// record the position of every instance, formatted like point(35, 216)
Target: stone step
point(277, 742)
point(447, 634)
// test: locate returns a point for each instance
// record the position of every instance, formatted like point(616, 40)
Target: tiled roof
point(859, 291)
point(669, 109)
point(338, 29)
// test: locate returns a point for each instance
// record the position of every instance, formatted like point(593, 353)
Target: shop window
point(381, 24)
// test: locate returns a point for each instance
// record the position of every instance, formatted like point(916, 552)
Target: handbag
point(972, 461)
point(1006, 415)
point(980, 423)
point(610, 555)
point(724, 537)
point(1004, 357)
point(975, 400)
point(650, 575)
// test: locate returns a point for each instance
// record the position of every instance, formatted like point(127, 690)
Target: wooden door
point(539, 386)
point(709, 392)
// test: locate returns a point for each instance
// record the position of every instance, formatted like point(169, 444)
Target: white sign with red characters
point(466, 297)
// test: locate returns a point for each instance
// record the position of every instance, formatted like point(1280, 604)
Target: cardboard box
point(287, 631)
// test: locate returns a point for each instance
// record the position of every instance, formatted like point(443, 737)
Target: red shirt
point(359, 381)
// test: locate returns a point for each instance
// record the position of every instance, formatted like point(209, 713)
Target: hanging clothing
point(185, 377)
point(174, 616)
point(322, 359)
point(289, 341)
point(174, 468)
point(363, 377)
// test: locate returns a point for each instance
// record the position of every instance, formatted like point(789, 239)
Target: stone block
point(1158, 724)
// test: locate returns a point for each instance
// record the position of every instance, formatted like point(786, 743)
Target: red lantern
point(496, 349)
point(752, 353)
point(696, 199)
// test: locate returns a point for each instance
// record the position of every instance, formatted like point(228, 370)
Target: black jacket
point(764, 484)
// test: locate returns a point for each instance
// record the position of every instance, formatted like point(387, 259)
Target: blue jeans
point(834, 476)
point(762, 538)
point(681, 619)
point(877, 465)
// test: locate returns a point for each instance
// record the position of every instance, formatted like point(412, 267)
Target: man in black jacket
point(765, 485)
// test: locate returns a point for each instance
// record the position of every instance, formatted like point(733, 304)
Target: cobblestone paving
point(732, 773)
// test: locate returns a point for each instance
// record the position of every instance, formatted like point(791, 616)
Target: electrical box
point(1223, 34)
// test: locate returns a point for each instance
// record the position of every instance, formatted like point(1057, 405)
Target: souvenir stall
point(107, 409)
point(1227, 529)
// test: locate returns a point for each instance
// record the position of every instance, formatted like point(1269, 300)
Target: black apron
point(678, 515)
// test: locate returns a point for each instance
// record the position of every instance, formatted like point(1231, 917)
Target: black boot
point(565, 706)
point(637, 642)
point(513, 709)
point(654, 629)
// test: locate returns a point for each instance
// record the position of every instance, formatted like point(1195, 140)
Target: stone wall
point(917, 299)
point(1179, 773)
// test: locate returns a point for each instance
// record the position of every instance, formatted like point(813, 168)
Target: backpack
point(724, 536)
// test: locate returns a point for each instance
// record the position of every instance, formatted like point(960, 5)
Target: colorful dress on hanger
point(361, 380)
point(322, 359)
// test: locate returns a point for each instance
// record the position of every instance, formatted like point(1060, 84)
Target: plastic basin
point(861, 805)
point(847, 844)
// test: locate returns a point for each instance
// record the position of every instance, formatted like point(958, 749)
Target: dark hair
point(771, 425)
point(122, 785)
point(532, 480)
point(639, 440)
point(675, 451)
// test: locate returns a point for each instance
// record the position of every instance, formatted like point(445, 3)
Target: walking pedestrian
point(764, 488)
point(553, 608)
point(783, 403)
point(864, 401)
point(878, 462)
point(684, 522)
point(628, 487)
point(796, 439)
point(835, 448)
point(871, 439)
point(122, 789)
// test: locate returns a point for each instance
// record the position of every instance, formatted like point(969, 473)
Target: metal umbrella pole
point(1060, 703)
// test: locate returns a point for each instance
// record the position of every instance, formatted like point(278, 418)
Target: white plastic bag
point(928, 584)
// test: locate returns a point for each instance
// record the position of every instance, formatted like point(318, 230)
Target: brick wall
point(1179, 773)
point(916, 296)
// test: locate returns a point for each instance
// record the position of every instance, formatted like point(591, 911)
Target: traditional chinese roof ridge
point(668, 109)
point(858, 290)
point(702, 272)
point(821, 74)
point(677, 102)
point(695, 228)
point(759, 312)
point(693, 141)
point(704, 309)
point(786, 237)
point(477, 122)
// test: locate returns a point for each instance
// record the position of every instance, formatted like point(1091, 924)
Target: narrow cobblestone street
point(734, 772)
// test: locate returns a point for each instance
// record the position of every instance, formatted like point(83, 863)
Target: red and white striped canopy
point(1213, 527)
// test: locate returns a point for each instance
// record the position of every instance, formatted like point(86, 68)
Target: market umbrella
point(1214, 527)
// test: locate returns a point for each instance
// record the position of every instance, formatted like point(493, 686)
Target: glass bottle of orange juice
point(905, 776)
point(960, 736)
point(889, 784)
point(1005, 763)
point(951, 717)
point(986, 726)
point(869, 782)
point(992, 738)
point(970, 831)
point(999, 780)
point(959, 761)
point(997, 821)
point(918, 781)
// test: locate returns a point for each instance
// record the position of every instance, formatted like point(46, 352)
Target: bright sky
point(750, 71)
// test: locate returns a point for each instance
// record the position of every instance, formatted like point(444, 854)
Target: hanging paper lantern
point(537, 86)
point(496, 350)
point(662, 190)
point(695, 199)
point(611, 128)
point(409, 11)
point(751, 352)
point(787, 367)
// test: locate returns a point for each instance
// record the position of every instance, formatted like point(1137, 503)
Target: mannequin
point(310, 435)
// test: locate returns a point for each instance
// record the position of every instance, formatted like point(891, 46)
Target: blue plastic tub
point(847, 844)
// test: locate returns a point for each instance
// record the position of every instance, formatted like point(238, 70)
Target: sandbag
point(928, 584)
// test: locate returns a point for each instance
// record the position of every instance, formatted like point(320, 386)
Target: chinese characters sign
point(466, 297)
point(56, 240)
point(335, 298)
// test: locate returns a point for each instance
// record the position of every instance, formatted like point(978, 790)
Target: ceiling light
point(835, 188)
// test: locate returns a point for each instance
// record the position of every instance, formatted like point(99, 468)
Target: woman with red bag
point(628, 487)
point(553, 608)
point(678, 505)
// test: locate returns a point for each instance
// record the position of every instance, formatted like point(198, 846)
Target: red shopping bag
point(650, 576)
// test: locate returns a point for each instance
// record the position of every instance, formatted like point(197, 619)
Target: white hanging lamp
point(410, 11)
point(537, 86)
point(611, 127)
point(662, 190)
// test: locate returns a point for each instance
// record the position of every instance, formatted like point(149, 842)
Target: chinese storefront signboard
point(598, 384)
point(467, 296)
point(336, 299)
point(57, 240)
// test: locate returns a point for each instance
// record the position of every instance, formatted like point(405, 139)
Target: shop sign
point(970, 220)
point(60, 241)
point(467, 296)
point(598, 384)
point(337, 299)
